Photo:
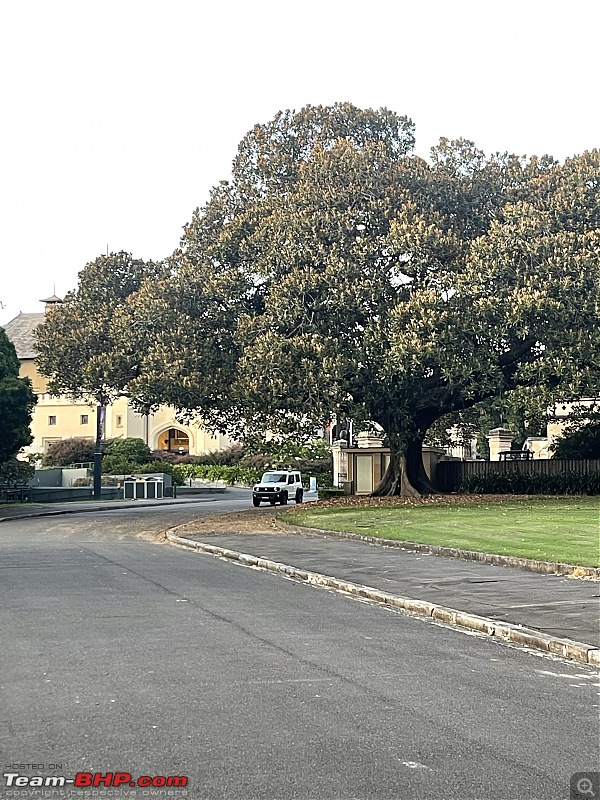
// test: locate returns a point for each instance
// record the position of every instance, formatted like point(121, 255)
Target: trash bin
point(143, 489)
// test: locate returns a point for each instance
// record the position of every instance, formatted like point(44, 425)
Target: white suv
point(278, 486)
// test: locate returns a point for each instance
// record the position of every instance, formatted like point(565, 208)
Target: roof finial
point(52, 301)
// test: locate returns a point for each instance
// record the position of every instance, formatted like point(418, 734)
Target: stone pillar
point(500, 440)
point(365, 439)
point(340, 462)
point(538, 445)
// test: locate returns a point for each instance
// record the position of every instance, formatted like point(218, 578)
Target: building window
point(84, 419)
point(52, 420)
point(119, 421)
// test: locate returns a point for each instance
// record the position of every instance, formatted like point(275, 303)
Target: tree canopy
point(65, 452)
point(16, 402)
point(77, 346)
point(580, 437)
point(337, 272)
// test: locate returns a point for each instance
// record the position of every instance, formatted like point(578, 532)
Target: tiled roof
point(20, 331)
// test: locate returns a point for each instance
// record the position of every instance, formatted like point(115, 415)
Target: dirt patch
point(430, 500)
point(258, 521)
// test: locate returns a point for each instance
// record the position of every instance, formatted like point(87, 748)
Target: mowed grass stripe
point(565, 529)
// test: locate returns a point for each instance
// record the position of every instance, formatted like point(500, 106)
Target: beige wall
point(200, 441)
point(56, 418)
point(29, 370)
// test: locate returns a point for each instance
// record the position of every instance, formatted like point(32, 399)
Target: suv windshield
point(273, 477)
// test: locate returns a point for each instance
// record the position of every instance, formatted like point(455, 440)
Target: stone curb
point(508, 632)
point(545, 567)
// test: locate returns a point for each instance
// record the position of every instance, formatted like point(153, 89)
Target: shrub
point(174, 470)
point(175, 458)
point(69, 451)
point(114, 465)
point(107, 480)
point(14, 472)
point(256, 461)
point(529, 483)
point(579, 442)
point(285, 451)
point(230, 475)
point(134, 450)
point(228, 457)
point(327, 492)
point(125, 455)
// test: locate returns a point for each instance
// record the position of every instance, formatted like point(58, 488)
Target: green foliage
point(13, 471)
point(531, 483)
point(286, 449)
point(132, 449)
point(16, 402)
point(133, 456)
point(79, 349)
point(118, 465)
point(326, 493)
point(244, 476)
point(125, 455)
point(228, 457)
point(525, 411)
point(69, 451)
point(581, 439)
point(162, 466)
point(248, 476)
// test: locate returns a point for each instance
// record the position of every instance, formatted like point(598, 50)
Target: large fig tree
point(338, 272)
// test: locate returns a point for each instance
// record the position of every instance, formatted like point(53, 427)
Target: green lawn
point(565, 529)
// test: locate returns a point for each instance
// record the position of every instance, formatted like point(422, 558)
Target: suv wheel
point(299, 495)
point(256, 502)
point(284, 499)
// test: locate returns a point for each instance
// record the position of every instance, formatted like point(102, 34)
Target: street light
point(100, 416)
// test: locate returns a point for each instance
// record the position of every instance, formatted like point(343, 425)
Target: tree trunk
point(405, 475)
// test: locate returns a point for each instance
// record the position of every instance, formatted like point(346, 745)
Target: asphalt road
point(121, 654)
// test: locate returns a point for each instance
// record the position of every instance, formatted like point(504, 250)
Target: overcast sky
point(117, 116)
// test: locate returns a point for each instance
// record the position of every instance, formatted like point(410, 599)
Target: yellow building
point(56, 418)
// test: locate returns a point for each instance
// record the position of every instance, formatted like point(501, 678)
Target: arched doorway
point(174, 440)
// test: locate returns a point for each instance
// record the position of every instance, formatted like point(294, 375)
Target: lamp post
point(100, 415)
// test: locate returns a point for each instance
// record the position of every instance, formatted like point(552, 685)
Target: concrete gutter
point(504, 631)
point(545, 567)
point(107, 505)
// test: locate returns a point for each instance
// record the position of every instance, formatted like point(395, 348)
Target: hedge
point(529, 483)
point(326, 493)
point(245, 476)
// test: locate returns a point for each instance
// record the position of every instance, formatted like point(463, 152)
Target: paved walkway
point(563, 607)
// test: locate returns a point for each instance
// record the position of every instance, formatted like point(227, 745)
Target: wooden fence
point(450, 474)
